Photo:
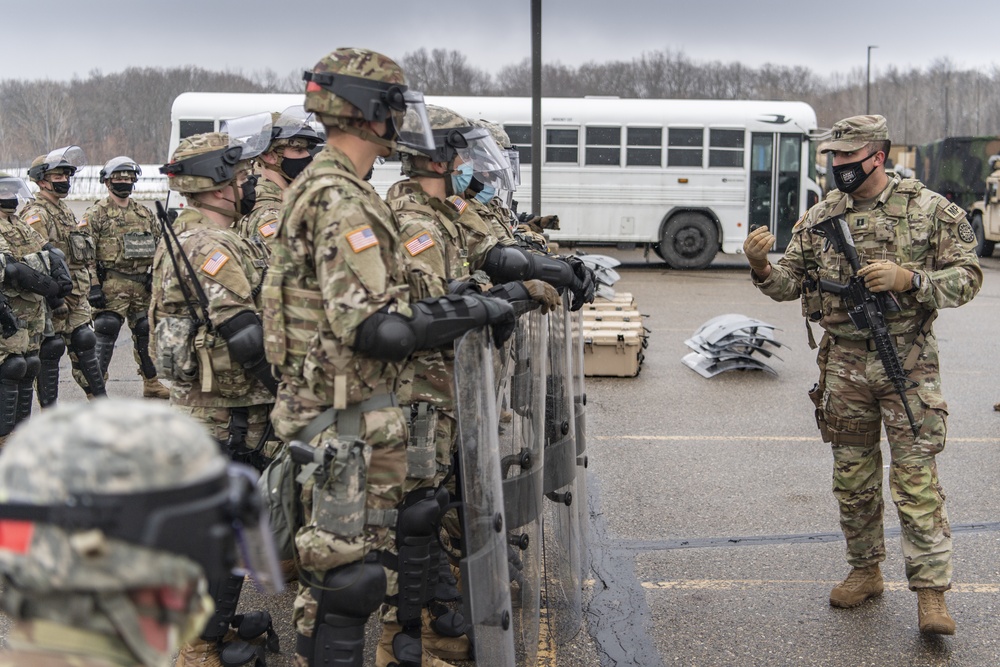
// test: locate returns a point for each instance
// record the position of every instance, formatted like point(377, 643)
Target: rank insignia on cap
point(419, 243)
point(215, 262)
point(362, 238)
point(33, 219)
point(458, 203)
point(268, 230)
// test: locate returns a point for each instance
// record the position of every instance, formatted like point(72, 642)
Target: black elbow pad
point(386, 336)
point(245, 340)
point(506, 263)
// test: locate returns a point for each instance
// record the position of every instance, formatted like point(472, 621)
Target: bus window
point(562, 146)
point(645, 147)
point(685, 147)
point(192, 127)
point(604, 146)
point(520, 139)
point(726, 148)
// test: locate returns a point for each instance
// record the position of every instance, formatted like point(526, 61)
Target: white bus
point(686, 178)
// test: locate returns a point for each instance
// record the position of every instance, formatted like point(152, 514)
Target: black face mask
point(8, 205)
point(292, 167)
point(121, 189)
point(849, 177)
point(61, 187)
point(248, 196)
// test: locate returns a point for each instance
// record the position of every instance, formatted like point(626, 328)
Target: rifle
point(867, 309)
point(174, 248)
point(8, 319)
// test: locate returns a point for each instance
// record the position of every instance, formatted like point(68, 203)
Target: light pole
point(868, 82)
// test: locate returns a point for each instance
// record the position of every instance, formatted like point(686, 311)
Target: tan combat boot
point(933, 614)
point(861, 584)
point(384, 655)
point(153, 388)
point(446, 648)
point(199, 653)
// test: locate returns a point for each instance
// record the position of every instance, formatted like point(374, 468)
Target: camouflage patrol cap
point(854, 133)
point(113, 446)
point(228, 163)
point(350, 72)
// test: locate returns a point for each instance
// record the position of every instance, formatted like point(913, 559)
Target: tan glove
point(543, 293)
point(756, 247)
point(883, 275)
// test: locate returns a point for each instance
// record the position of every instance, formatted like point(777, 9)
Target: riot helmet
point(13, 191)
point(63, 161)
point(358, 84)
point(120, 175)
point(294, 128)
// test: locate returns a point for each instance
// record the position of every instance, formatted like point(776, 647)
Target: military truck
point(961, 168)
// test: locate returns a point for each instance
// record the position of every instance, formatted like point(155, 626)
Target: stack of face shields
point(605, 275)
point(731, 342)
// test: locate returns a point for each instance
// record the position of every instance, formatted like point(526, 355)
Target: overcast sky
point(287, 36)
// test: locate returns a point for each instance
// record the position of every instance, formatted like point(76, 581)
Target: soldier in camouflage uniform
point(919, 247)
point(435, 256)
point(53, 219)
point(111, 521)
point(486, 199)
point(287, 155)
point(207, 334)
point(26, 267)
point(125, 235)
point(339, 324)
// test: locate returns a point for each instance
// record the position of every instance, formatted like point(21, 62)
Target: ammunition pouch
point(852, 432)
point(421, 450)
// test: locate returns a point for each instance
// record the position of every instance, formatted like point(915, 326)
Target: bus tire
point(984, 248)
point(689, 241)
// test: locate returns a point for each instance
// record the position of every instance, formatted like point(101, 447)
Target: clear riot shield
point(521, 401)
point(580, 421)
point(561, 522)
point(485, 578)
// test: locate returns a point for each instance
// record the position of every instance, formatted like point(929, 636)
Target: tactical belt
point(134, 277)
point(917, 338)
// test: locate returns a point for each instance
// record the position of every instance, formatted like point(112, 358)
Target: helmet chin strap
point(367, 135)
point(232, 214)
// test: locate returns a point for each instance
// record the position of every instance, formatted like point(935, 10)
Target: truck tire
point(689, 241)
point(984, 248)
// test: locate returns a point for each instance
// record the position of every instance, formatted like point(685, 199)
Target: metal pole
point(536, 107)
point(868, 82)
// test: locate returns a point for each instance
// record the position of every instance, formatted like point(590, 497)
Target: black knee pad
point(107, 323)
point(141, 327)
point(416, 529)
point(13, 368)
point(82, 338)
point(51, 349)
point(345, 599)
point(32, 365)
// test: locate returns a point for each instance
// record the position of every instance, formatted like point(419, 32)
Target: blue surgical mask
point(461, 180)
point(486, 194)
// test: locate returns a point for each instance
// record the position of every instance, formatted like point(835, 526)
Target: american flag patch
point(33, 219)
point(419, 243)
point(268, 230)
point(362, 238)
point(82, 222)
point(215, 262)
point(458, 203)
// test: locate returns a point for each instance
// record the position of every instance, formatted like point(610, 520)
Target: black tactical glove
point(148, 282)
point(501, 318)
point(8, 320)
point(583, 287)
point(96, 297)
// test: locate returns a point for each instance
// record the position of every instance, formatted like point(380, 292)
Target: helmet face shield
point(67, 158)
point(515, 166)
point(490, 165)
point(11, 187)
point(296, 122)
point(120, 164)
point(413, 128)
point(251, 133)
point(219, 165)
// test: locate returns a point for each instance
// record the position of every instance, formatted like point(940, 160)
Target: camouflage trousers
point(336, 531)
point(130, 301)
point(217, 421)
point(858, 392)
point(76, 314)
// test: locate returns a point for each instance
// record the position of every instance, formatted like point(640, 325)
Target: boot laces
point(932, 602)
point(858, 578)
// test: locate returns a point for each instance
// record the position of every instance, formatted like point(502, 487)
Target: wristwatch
point(915, 283)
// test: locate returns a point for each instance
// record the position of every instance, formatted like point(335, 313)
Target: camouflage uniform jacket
point(262, 222)
point(125, 238)
point(496, 215)
point(434, 253)
point(909, 225)
point(479, 238)
point(25, 245)
point(55, 221)
point(46, 644)
point(229, 270)
point(335, 262)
